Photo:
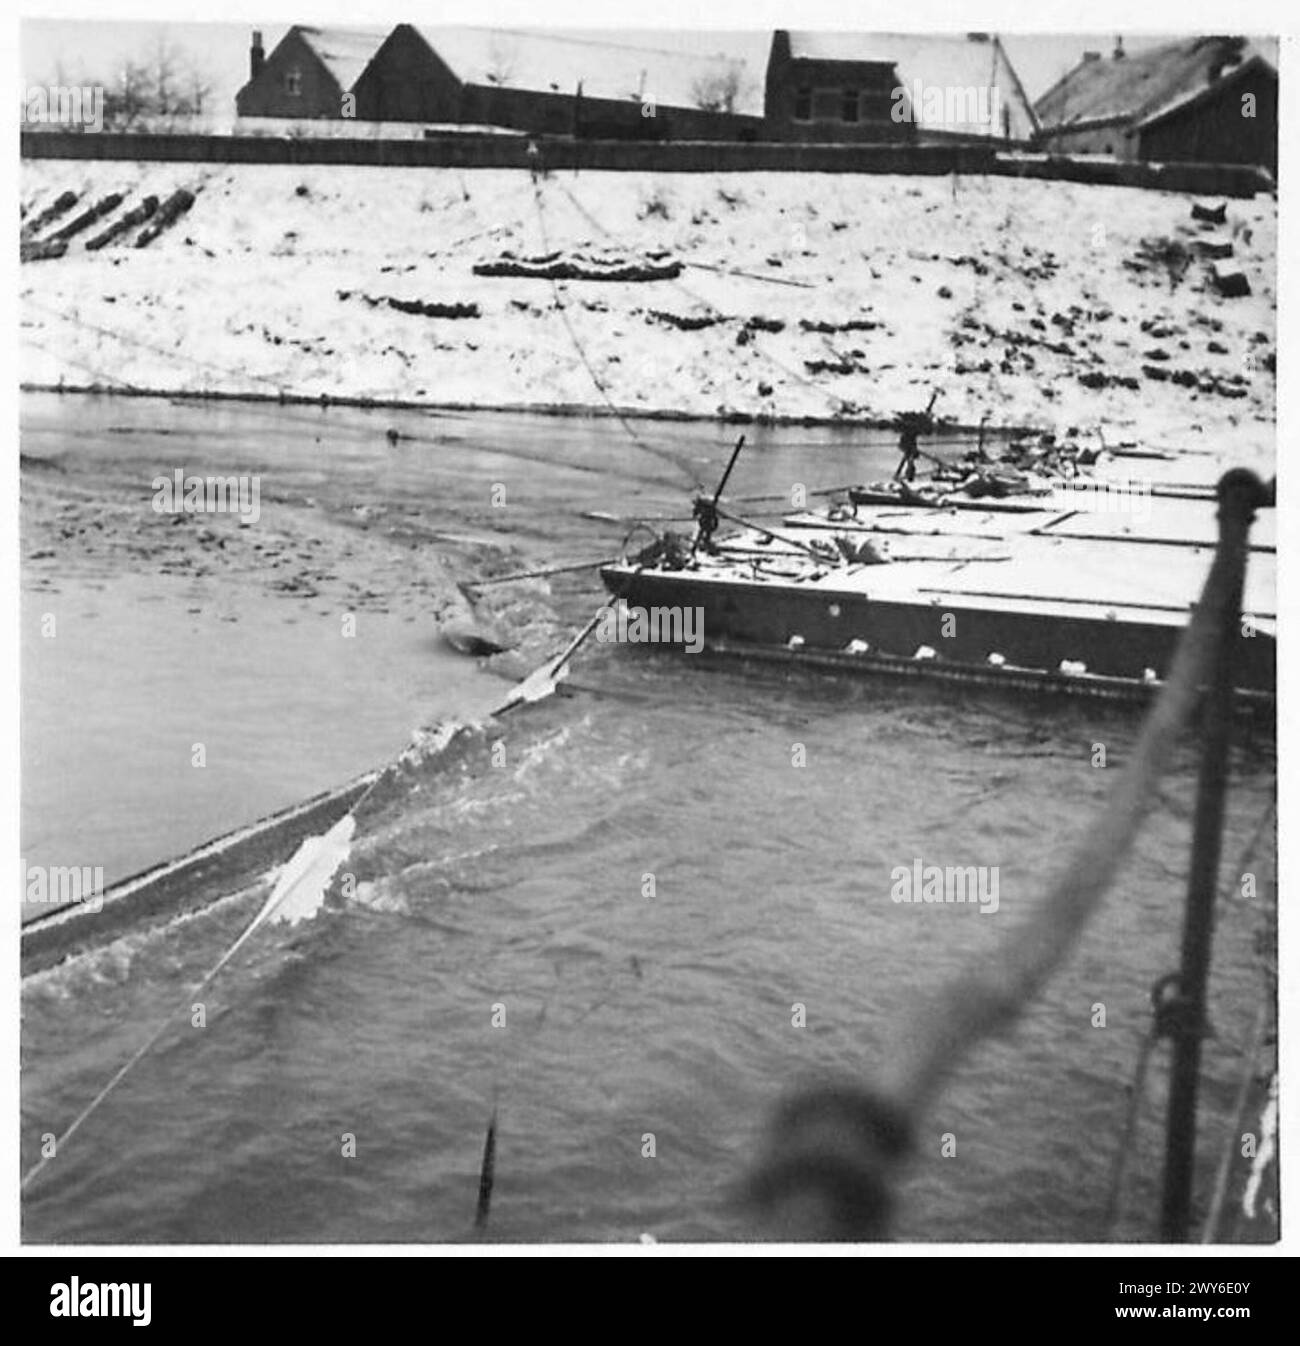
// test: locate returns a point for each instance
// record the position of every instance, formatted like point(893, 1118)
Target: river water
point(640, 880)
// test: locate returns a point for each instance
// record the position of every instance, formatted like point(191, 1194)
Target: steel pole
point(1239, 493)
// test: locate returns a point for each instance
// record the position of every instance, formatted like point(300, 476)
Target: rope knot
point(827, 1169)
point(1173, 1014)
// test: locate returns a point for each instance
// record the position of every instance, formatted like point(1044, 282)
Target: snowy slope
point(1029, 302)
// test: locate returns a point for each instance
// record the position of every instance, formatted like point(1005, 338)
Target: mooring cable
point(304, 880)
point(677, 460)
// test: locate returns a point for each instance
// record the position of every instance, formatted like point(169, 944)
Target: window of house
point(293, 83)
point(827, 105)
point(849, 106)
point(803, 105)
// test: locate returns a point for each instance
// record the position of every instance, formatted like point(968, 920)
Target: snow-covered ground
point(1031, 303)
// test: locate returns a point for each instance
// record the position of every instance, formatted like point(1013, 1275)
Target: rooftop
point(553, 62)
point(345, 52)
point(1135, 87)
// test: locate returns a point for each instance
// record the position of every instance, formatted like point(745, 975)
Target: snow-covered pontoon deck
point(1082, 599)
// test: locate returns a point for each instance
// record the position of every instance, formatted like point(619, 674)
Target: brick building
point(818, 87)
point(881, 87)
point(527, 80)
point(308, 73)
point(550, 83)
point(1204, 99)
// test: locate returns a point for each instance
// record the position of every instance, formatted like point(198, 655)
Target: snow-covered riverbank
point(1030, 303)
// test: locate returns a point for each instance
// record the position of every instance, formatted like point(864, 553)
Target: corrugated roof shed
point(345, 52)
point(961, 61)
point(1134, 88)
point(556, 63)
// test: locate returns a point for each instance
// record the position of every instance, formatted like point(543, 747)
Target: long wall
point(511, 151)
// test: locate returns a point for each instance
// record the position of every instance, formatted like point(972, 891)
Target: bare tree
point(164, 64)
point(180, 87)
point(160, 87)
point(129, 98)
point(720, 90)
point(198, 89)
point(501, 63)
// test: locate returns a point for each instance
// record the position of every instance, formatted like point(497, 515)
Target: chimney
point(1227, 55)
point(1091, 56)
point(1119, 49)
point(256, 56)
